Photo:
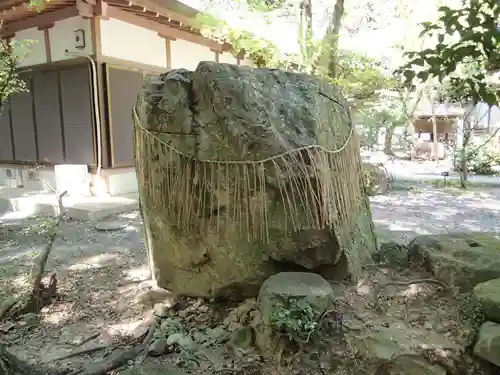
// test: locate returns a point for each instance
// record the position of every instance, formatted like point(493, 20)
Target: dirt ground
point(100, 273)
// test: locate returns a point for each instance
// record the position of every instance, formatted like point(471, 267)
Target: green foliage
point(10, 82)
point(359, 76)
point(261, 51)
point(265, 5)
point(297, 318)
point(482, 157)
point(468, 41)
point(44, 226)
point(370, 178)
point(388, 112)
point(38, 4)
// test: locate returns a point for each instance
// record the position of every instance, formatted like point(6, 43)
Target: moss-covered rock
point(378, 346)
point(458, 259)
point(244, 173)
point(488, 343)
point(488, 293)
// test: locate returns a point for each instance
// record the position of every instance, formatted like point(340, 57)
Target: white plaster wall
point(30, 45)
point(129, 42)
point(187, 55)
point(62, 37)
point(227, 58)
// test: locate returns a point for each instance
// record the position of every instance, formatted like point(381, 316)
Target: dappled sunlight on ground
point(137, 274)
point(402, 214)
point(98, 273)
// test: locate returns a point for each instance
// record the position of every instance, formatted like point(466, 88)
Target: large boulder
point(244, 173)
point(458, 259)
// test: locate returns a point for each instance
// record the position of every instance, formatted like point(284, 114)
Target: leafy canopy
point(467, 48)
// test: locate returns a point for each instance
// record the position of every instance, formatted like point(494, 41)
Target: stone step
point(78, 208)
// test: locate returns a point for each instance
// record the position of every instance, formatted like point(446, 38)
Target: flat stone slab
point(111, 225)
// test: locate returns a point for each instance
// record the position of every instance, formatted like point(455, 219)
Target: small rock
point(154, 296)
point(392, 253)
point(158, 347)
point(488, 343)
point(489, 295)
point(181, 339)
point(161, 310)
point(200, 337)
point(218, 334)
point(203, 309)
point(298, 285)
point(242, 338)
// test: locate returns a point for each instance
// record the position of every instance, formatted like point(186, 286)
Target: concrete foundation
point(28, 191)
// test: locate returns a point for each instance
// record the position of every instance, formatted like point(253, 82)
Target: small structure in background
point(448, 122)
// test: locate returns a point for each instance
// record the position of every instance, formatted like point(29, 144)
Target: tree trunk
point(329, 54)
point(389, 131)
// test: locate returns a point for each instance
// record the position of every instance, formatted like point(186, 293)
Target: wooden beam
point(163, 11)
point(101, 9)
point(48, 51)
point(163, 30)
point(41, 20)
point(7, 4)
point(85, 9)
point(168, 51)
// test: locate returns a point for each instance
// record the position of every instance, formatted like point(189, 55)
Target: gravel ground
point(99, 271)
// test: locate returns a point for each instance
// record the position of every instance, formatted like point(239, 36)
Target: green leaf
point(423, 75)
point(419, 62)
point(409, 75)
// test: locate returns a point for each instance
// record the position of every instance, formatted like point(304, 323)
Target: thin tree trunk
point(329, 54)
point(389, 132)
point(434, 130)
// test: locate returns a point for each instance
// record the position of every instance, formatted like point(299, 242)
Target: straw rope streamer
point(340, 149)
point(308, 187)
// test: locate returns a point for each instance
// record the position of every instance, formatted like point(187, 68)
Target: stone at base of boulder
point(297, 285)
point(489, 295)
point(410, 365)
point(462, 260)
point(488, 343)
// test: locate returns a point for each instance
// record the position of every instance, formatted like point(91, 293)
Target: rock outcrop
point(488, 293)
point(458, 259)
point(245, 173)
point(488, 343)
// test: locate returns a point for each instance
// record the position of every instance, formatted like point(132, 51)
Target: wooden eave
point(17, 15)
